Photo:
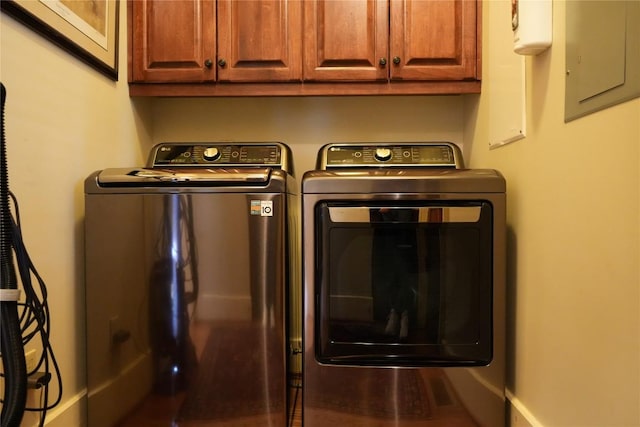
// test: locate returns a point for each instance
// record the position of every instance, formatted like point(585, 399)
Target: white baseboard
point(69, 413)
point(519, 414)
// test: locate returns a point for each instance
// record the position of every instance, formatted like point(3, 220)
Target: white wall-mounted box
point(531, 21)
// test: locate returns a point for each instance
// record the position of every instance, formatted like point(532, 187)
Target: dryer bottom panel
point(399, 397)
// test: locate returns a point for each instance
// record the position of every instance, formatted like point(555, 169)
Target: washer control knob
point(383, 154)
point(211, 154)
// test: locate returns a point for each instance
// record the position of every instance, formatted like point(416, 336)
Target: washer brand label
point(262, 207)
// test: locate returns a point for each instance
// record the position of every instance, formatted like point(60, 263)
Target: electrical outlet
point(31, 360)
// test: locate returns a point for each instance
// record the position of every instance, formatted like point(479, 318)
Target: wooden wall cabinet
point(176, 40)
point(259, 40)
point(346, 40)
point(310, 47)
point(390, 40)
point(172, 41)
point(434, 40)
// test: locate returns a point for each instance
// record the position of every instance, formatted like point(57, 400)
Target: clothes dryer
point(186, 287)
point(404, 288)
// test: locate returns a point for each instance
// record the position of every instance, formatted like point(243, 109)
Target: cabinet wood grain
point(346, 40)
point(259, 40)
point(299, 48)
point(433, 40)
point(173, 41)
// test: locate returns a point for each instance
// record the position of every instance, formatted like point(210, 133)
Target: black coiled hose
point(13, 363)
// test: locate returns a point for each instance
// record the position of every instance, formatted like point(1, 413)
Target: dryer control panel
point(425, 154)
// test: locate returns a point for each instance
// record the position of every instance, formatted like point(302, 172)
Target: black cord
point(21, 321)
point(15, 383)
point(34, 316)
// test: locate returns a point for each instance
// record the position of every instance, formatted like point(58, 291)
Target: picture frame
point(87, 30)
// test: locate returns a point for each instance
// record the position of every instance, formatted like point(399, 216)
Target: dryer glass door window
point(404, 283)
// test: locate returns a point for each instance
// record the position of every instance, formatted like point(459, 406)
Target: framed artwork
point(87, 29)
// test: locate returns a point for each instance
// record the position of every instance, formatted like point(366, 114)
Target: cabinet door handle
point(396, 60)
point(208, 63)
point(222, 62)
point(383, 62)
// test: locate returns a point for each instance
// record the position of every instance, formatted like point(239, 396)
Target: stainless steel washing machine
point(404, 288)
point(186, 287)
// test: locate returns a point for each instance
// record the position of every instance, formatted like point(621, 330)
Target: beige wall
point(305, 124)
point(63, 121)
point(574, 218)
point(573, 204)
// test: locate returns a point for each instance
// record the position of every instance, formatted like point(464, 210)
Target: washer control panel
point(218, 154)
point(434, 154)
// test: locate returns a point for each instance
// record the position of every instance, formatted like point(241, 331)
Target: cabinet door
point(173, 41)
point(346, 39)
point(433, 39)
point(259, 40)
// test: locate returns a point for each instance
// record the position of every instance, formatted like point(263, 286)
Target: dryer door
point(405, 284)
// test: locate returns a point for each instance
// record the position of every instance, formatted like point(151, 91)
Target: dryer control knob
point(211, 154)
point(383, 154)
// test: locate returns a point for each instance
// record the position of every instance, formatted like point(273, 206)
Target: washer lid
point(145, 177)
